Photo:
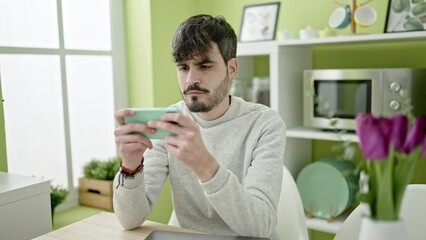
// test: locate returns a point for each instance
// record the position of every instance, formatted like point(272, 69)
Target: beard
point(213, 98)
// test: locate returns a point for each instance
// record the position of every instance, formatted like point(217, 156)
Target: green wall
point(294, 15)
point(150, 26)
point(371, 55)
point(139, 52)
point(3, 161)
point(166, 16)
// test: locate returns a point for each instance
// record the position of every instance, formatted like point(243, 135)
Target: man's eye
point(182, 68)
point(206, 66)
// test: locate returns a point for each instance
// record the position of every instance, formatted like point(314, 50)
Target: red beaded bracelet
point(132, 172)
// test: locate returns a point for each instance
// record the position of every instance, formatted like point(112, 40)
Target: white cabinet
point(287, 60)
point(24, 207)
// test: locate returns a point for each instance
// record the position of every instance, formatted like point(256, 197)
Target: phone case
point(144, 115)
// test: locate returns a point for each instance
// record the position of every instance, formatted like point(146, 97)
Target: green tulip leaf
point(416, 1)
point(420, 10)
point(401, 6)
point(413, 24)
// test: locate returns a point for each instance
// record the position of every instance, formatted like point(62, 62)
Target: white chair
point(291, 222)
point(350, 228)
point(173, 220)
point(413, 212)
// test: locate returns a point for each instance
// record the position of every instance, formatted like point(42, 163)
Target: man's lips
point(195, 92)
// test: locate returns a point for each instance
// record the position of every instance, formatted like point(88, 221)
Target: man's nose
point(193, 77)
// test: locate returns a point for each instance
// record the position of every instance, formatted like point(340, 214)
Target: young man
point(225, 162)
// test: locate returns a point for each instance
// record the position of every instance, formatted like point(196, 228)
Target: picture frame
point(259, 22)
point(406, 17)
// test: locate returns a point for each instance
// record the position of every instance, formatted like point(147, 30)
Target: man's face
point(204, 83)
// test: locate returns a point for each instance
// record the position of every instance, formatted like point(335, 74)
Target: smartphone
point(144, 115)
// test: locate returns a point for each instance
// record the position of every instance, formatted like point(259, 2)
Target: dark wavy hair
point(194, 37)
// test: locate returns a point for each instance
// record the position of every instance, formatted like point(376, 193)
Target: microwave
point(333, 97)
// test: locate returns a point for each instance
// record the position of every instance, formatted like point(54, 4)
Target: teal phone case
point(144, 115)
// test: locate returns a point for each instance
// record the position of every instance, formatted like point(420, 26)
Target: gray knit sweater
point(248, 141)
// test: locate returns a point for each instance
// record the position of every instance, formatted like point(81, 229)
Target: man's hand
point(130, 145)
point(187, 145)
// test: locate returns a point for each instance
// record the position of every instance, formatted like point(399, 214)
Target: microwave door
point(341, 100)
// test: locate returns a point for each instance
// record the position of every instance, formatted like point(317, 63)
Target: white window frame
point(117, 53)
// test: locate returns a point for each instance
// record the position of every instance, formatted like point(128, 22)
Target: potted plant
point(95, 188)
point(391, 147)
point(58, 195)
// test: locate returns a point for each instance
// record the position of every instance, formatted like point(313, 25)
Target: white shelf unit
point(323, 225)
point(311, 133)
point(287, 60)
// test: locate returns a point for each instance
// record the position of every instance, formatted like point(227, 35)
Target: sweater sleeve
point(255, 199)
point(134, 198)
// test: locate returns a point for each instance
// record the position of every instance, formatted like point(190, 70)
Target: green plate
point(324, 190)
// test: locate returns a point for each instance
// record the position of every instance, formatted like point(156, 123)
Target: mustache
point(195, 87)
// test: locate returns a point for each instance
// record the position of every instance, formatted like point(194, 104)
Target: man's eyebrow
point(198, 63)
point(204, 61)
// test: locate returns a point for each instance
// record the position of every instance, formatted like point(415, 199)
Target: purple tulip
point(374, 136)
point(400, 125)
point(416, 135)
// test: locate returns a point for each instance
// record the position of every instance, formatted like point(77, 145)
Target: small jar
point(238, 89)
point(261, 90)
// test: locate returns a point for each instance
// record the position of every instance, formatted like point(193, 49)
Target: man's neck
point(217, 111)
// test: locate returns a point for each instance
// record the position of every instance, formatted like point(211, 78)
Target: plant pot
point(96, 193)
point(382, 230)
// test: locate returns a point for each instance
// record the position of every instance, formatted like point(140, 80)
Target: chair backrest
point(173, 220)
point(413, 212)
point(291, 221)
point(350, 228)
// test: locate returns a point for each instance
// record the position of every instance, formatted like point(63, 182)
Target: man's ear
point(232, 67)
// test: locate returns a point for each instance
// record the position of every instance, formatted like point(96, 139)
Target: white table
point(24, 207)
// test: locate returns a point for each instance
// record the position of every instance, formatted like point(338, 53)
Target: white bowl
point(365, 16)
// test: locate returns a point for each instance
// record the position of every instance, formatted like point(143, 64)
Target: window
point(63, 76)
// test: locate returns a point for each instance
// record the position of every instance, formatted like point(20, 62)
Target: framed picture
point(405, 16)
point(259, 22)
